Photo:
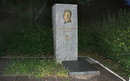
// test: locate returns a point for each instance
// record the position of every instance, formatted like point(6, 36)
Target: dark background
point(40, 10)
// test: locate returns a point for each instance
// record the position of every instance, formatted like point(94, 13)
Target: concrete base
point(80, 67)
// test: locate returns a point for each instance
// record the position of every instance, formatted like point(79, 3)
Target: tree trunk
point(31, 13)
point(41, 10)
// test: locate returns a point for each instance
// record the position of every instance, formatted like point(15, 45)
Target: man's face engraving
point(67, 16)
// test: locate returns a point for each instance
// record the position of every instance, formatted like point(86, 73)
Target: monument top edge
point(64, 4)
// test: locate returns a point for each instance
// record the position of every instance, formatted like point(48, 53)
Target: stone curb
point(95, 61)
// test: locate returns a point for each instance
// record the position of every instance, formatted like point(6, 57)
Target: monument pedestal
point(80, 67)
point(65, 31)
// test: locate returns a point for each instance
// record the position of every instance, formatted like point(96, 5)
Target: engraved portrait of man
point(67, 16)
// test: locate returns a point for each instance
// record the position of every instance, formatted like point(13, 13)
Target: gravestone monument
point(65, 32)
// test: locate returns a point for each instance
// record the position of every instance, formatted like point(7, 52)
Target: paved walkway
point(104, 76)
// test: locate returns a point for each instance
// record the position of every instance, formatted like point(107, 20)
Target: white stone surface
point(93, 73)
point(65, 34)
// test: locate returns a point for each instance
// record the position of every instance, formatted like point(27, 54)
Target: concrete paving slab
point(3, 65)
point(36, 79)
point(7, 78)
point(80, 67)
point(22, 78)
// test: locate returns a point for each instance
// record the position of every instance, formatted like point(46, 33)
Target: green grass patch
point(35, 67)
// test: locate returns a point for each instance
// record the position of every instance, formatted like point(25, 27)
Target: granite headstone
point(64, 19)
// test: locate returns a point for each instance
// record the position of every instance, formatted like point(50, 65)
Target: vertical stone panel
point(65, 32)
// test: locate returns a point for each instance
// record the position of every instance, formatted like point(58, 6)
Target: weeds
point(35, 40)
point(35, 67)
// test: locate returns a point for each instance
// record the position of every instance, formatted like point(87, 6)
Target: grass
point(35, 67)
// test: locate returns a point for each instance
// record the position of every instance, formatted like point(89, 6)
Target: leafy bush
point(110, 38)
point(113, 38)
point(7, 31)
point(86, 38)
point(35, 40)
point(125, 63)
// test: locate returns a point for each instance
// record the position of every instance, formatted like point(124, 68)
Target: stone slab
point(7, 78)
point(80, 67)
point(91, 61)
point(65, 32)
point(3, 65)
point(22, 78)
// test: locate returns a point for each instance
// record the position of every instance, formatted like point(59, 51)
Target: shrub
point(113, 38)
point(35, 40)
point(86, 38)
point(7, 31)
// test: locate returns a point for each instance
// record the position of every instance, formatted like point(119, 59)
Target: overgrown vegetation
point(110, 38)
point(35, 67)
point(35, 40)
point(114, 39)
